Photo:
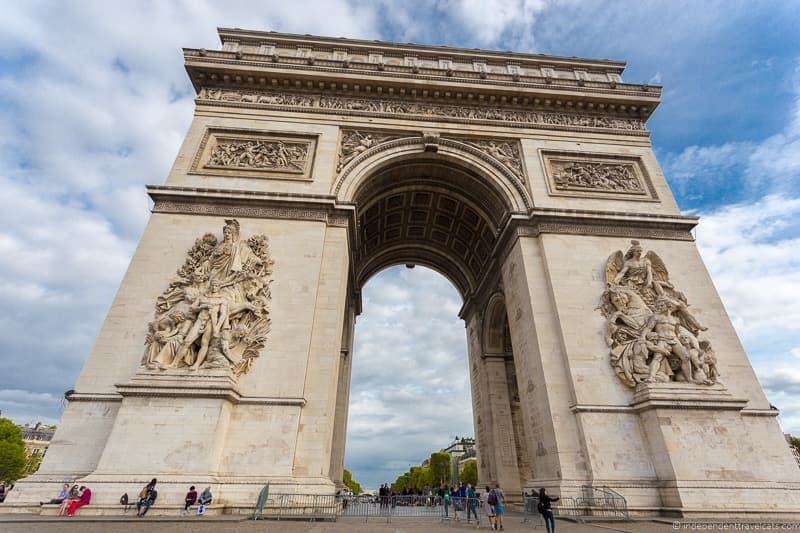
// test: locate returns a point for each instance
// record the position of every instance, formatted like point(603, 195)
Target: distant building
point(457, 450)
point(37, 438)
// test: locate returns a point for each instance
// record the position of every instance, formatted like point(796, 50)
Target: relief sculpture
point(259, 154)
point(355, 143)
point(653, 335)
point(215, 314)
point(593, 176)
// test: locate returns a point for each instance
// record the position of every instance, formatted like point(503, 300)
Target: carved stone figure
point(272, 155)
point(651, 332)
point(590, 175)
point(506, 152)
point(423, 110)
point(215, 314)
point(355, 143)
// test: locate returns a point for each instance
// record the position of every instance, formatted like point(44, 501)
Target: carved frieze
point(215, 313)
point(254, 154)
point(597, 176)
point(653, 335)
point(424, 110)
point(356, 142)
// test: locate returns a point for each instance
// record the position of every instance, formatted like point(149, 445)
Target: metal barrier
point(593, 502)
point(603, 502)
point(309, 507)
point(388, 507)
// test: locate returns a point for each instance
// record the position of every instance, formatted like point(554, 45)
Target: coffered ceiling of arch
point(428, 218)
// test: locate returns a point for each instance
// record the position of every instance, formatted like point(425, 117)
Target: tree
point(794, 442)
point(350, 483)
point(439, 465)
point(470, 473)
point(12, 452)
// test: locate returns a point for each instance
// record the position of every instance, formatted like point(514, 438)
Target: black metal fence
point(592, 503)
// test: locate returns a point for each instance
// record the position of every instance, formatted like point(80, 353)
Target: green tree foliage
point(439, 465)
point(470, 472)
point(352, 484)
point(794, 442)
point(12, 452)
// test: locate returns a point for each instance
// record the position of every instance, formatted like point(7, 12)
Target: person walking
point(147, 497)
point(456, 500)
point(446, 500)
point(489, 499)
point(499, 506)
point(545, 508)
point(472, 503)
point(189, 500)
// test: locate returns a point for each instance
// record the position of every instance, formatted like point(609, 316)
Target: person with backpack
point(545, 509)
point(489, 500)
point(499, 506)
point(147, 497)
point(446, 500)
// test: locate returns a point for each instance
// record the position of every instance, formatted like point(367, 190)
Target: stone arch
point(461, 154)
point(495, 326)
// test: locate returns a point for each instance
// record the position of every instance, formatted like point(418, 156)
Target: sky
point(94, 102)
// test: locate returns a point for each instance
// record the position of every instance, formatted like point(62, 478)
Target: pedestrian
point(546, 509)
point(147, 497)
point(84, 499)
point(205, 500)
point(62, 495)
point(499, 507)
point(189, 500)
point(472, 503)
point(456, 498)
point(446, 499)
point(489, 499)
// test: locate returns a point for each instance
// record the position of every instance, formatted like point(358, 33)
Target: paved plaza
point(237, 525)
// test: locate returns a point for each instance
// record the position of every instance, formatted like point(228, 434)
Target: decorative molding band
point(760, 412)
point(410, 110)
point(93, 397)
point(590, 175)
point(609, 229)
point(255, 154)
point(233, 204)
point(153, 389)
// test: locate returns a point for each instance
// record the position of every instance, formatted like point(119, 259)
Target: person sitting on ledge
point(73, 496)
point(147, 497)
point(84, 499)
point(189, 500)
point(205, 500)
point(61, 496)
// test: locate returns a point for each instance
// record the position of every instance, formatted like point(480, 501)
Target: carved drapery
point(653, 335)
point(355, 143)
point(506, 152)
point(412, 110)
point(215, 314)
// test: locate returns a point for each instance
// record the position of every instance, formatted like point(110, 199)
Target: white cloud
point(410, 385)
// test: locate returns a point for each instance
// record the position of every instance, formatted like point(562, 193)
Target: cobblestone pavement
point(345, 525)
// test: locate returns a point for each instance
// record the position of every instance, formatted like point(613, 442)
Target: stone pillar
point(342, 400)
point(481, 413)
point(312, 459)
point(554, 448)
point(504, 449)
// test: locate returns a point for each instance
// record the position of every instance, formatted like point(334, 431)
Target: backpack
point(492, 498)
point(540, 507)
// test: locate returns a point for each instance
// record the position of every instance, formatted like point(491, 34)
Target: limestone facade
point(514, 175)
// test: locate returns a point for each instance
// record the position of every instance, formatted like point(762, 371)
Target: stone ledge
point(684, 396)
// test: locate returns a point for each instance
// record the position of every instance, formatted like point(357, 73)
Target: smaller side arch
point(496, 337)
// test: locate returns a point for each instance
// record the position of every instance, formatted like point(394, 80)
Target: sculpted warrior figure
point(651, 332)
point(216, 313)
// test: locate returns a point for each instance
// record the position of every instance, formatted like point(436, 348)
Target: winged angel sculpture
point(215, 314)
point(652, 334)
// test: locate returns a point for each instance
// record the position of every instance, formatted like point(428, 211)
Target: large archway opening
point(432, 210)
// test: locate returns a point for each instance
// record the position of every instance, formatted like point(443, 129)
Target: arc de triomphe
point(599, 350)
